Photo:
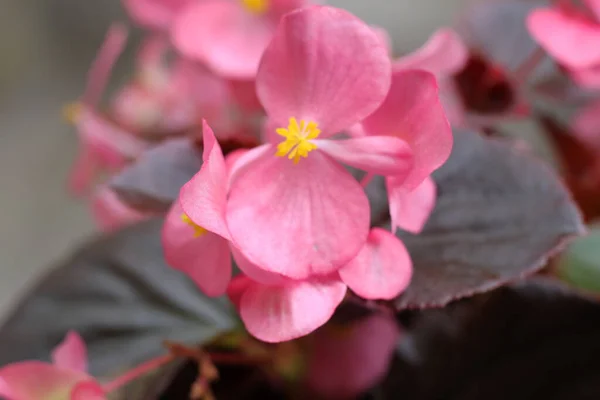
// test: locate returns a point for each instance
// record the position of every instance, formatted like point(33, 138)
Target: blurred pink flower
point(292, 209)
point(102, 144)
point(230, 36)
point(347, 361)
point(413, 113)
point(444, 55)
point(64, 379)
point(110, 213)
point(154, 14)
point(571, 36)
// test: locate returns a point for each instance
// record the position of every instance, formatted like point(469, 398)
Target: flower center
point(198, 230)
point(297, 139)
point(256, 6)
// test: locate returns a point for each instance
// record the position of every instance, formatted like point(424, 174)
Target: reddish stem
point(138, 371)
point(522, 74)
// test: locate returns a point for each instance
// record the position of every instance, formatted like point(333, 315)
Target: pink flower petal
point(414, 113)
point(88, 391)
point(203, 198)
point(382, 269)
point(280, 313)
point(34, 380)
point(410, 209)
point(245, 96)
point(344, 364)
point(224, 35)
point(236, 289)
point(323, 65)
point(99, 73)
point(444, 54)
point(204, 257)
point(111, 214)
point(253, 271)
point(297, 219)
point(83, 171)
point(154, 14)
point(382, 155)
point(571, 39)
point(71, 353)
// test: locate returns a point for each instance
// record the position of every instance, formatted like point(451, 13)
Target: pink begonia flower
point(444, 55)
point(571, 36)
point(154, 14)
point(169, 97)
point(230, 36)
point(110, 213)
point(103, 145)
point(347, 361)
point(413, 112)
point(196, 241)
point(292, 208)
point(64, 379)
point(381, 270)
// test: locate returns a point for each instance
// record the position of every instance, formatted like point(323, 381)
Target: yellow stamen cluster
point(198, 230)
point(297, 139)
point(256, 6)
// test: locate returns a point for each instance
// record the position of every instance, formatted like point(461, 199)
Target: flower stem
point(522, 74)
point(367, 179)
point(138, 371)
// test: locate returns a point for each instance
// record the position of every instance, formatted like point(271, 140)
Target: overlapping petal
point(277, 313)
point(410, 209)
point(297, 219)
point(413, 112)
point(323, 65)
point(572, 40)
point(202, 255)
point(222, 34)
point(110, 213)
point(444, 54)
point(381, 270)
point(204, 197)
point(383, 155)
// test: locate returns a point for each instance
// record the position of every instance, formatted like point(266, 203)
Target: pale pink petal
point(240, 163)
point(154, 14)
point(253, 271)
point(588, 78)
point(99, 73)
point(586, 125)
point(111, 214)
point(572, 40)
point(108, 140)
point(88, 391)
point(34, 380)
point(323, 65)
point(385, 38)
point(452, 102)
point(297, 219)
point(278, 8)
point(223, 35)
point(382, 155)
point(203, 198)
point(382, 269)
point(285, 312)
point(414, 113)
point(203, 256)
point(71, 353)
point(83, 171)
point(444, 54)
point(344, 364)
point(410, 209)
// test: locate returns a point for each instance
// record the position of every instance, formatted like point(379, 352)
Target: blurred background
point(46, 48)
